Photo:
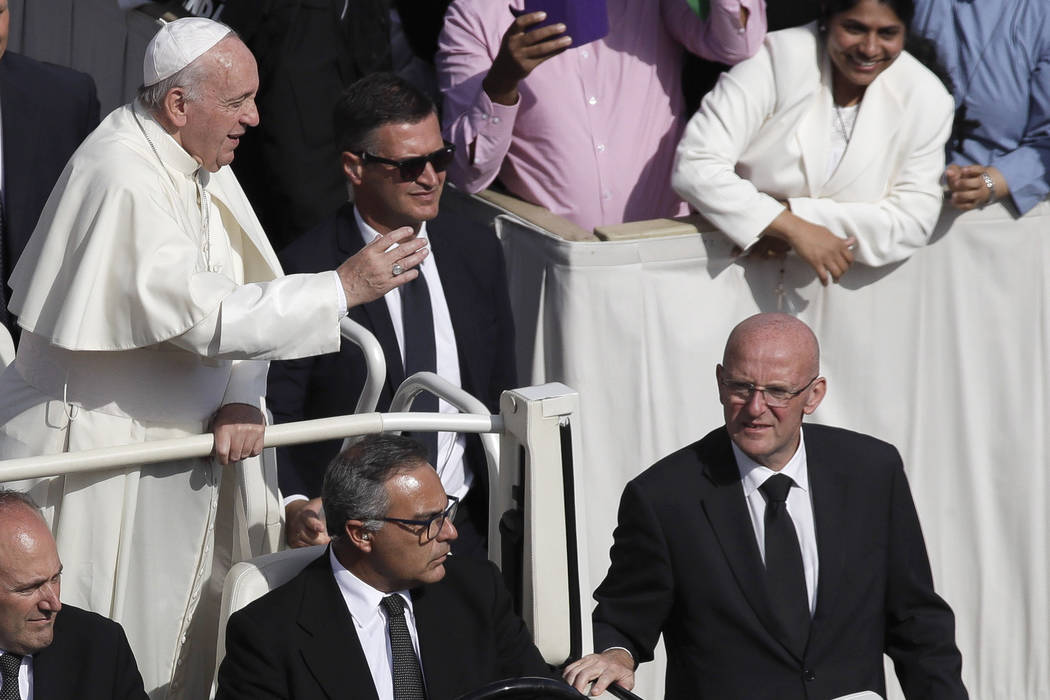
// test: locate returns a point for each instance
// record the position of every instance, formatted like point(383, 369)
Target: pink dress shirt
point(593, 135)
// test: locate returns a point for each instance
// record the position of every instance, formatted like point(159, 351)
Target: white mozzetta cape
point(118, 259)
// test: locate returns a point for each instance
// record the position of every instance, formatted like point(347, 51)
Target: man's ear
point(173, 107)
point(353, 167)
point(816, 395)
point(358, 536)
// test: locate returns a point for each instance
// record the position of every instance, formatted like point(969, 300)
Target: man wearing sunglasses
point(385, 601)
point(776, 561)
point(454, 319)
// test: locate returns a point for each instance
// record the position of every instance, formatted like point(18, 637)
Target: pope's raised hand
point(387, 262)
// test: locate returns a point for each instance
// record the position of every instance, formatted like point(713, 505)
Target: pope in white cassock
point(150, 300)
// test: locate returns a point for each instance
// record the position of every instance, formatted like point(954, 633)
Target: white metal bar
point(276, 436)
point(456, 396)
point(375, 363)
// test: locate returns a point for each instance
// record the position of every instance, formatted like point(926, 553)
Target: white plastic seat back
point(250, 580)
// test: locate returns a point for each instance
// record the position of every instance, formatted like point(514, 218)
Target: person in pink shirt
point(587, 132)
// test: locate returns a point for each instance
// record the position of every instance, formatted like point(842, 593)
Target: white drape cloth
point(945, 355)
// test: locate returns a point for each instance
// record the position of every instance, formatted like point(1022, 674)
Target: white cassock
point(144, 312)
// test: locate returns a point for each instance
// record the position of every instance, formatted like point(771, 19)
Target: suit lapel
point(830, 498)
point(432, 628)
point(332, 650)
point(374, 315)
point(727, 512)
point(461, 307)
point(878, 119)
point(812, 133)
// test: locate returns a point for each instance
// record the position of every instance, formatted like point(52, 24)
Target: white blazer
point(763, 135)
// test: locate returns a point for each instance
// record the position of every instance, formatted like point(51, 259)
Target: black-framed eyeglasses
point(435, 522)
point(411, 168)
point(774, 396)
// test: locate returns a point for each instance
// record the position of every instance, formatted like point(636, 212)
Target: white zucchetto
point(178, 44)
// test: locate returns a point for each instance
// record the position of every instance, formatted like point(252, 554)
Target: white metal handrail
point(276, 436)
point(375, 362)
point(454, 395)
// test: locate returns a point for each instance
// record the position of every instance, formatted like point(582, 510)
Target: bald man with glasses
point(384, 602)
point(777, 560)
point(454, 319)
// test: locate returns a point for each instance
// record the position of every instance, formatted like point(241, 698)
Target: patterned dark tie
point(408, 677)
point(785, 576)
point(417, 318)
point(9, 664)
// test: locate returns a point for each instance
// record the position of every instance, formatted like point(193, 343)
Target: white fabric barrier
point(945, 355)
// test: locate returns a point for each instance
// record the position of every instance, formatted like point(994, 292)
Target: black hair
point(374, 101)
point(354, 485)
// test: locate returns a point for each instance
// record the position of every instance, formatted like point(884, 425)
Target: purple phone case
point(585, 20)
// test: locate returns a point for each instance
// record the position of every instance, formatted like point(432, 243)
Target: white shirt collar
point(753, 474)
point(362, 600)
point(369, 234)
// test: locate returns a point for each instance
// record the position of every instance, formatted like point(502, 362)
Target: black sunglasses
point(411, 168)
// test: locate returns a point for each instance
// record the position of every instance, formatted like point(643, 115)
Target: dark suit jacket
point(47, 112)
point(685, 563)
point(289, 165)
point(474, 281)
point(298, 641)
point(88, 659)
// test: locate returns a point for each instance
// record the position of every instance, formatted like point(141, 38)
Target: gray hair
point(189, 79)
point(354, 485)
point(9, 499)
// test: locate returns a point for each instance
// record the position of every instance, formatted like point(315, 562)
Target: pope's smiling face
point(862, 42)
point(223, 108)
point(30, 581)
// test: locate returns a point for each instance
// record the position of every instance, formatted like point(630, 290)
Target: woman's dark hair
point(924, 50)
point(905, 10)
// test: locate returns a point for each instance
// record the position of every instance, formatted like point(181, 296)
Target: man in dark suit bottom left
point(384, 613)
point(47, 651)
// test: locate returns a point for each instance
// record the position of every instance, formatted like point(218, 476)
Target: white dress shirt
point(450, 466)
point(25, 677)
point(799, 507)
point(370, 624)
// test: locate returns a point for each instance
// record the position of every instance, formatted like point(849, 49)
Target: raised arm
point(479, 66)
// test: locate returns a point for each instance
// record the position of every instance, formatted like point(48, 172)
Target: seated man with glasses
point(453, 319)
point(384, 612)
point(777, 561)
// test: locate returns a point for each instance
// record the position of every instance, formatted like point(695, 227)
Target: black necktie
point(417, 319)
point(408, 678)
point(9, 664)
point(785, 576)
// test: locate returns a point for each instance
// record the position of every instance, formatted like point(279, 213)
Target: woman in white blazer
point(830, 141)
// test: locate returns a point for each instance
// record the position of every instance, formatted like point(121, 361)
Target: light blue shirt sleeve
point(998, 55)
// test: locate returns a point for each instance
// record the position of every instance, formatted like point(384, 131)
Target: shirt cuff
point(494, 116)
point(341, 301)
point(300, 497)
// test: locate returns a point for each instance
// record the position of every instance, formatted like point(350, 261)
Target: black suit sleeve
point(127, 681)
point(250, 669)
point(505, 374)
point(636, 596)
point(286, 393)
point(920, 627)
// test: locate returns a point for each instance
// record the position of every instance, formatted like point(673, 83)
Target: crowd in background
point(847, 133)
